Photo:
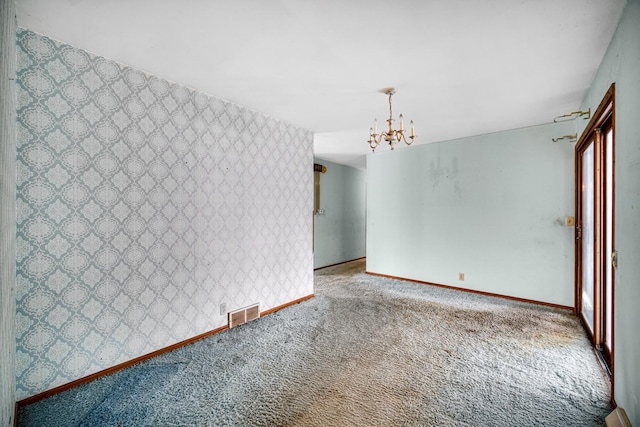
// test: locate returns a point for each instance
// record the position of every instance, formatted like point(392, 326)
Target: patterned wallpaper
point(142, 205)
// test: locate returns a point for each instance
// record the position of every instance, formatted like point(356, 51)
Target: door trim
point(604, 113)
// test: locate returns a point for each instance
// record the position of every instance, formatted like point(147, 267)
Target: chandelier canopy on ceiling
point(392, 135)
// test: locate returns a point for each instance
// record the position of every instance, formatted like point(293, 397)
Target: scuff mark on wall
point(439, 173)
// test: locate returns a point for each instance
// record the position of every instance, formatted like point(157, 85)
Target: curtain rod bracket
point(571, 138)
point(573, 115)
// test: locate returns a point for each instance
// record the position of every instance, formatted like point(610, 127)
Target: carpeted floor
point(366, 351)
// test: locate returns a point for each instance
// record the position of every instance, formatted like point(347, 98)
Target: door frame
point(602, 115)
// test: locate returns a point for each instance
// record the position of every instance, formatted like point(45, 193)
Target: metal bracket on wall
point(573, 115)
point(570, 138)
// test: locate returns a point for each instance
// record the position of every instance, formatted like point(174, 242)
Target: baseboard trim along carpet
point(340, 263)
point(280, 307)
point(548, 304)
point(129, 363)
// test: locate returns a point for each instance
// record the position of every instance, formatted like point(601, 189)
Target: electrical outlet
point(223, 309)
point(461, 277)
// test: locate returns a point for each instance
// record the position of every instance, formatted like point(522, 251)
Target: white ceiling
point(461, 67)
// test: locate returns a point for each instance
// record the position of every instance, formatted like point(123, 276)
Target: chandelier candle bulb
point(413, 130)
point(401, 124)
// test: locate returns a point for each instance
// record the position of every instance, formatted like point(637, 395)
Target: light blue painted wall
point(142, 206)
point(491, 207)
point(339, 234)
point(621, 65)
point(7, 211)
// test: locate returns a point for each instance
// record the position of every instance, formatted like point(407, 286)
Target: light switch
point(569, 221)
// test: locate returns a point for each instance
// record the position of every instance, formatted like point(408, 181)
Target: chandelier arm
point(404, 139)
point(373, 142)
point(376, 138)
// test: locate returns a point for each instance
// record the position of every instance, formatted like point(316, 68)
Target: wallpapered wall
point(143, 205)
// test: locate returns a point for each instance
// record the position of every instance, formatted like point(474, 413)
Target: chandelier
point(392, 136)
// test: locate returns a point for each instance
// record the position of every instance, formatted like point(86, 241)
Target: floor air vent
point(244, 315)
